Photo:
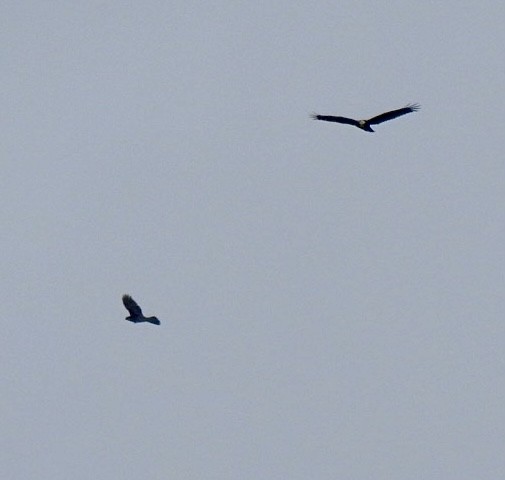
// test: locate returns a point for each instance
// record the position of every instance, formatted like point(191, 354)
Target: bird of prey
point(365, 124)
point(136, 315)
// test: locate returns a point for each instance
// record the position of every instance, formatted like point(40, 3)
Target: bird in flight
point(365, 124)
point(135, 311)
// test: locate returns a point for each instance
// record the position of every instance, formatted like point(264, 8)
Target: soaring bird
point(136, 315)
point(365, 124)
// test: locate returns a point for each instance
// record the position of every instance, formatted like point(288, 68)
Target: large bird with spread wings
point(365, 124)
point(136, 315)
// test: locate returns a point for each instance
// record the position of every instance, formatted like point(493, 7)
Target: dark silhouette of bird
point(365, 124)
point(135, 311)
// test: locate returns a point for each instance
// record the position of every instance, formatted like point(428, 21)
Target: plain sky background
point(332, 301)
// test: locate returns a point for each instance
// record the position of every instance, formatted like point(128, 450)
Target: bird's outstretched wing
point(330, 118)
point(131, 306)
point(384, 117)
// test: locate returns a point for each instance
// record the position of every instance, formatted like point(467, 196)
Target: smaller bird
point(365, 124)
point(135, 311)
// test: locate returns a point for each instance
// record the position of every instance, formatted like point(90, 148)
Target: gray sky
point(331, 300)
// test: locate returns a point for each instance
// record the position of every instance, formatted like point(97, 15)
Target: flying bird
point(135, 311)
point(365, 124)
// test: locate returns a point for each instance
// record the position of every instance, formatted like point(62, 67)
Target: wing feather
point(384, 117)
point(330, 118)
point(132, 306)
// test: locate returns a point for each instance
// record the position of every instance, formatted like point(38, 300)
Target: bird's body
point(136, 315)
point(365, 124)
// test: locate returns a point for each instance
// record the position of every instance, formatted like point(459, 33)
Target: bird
point(136, 315)
point(365, 124)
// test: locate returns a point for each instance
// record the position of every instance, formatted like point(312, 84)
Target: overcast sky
point(331, 300)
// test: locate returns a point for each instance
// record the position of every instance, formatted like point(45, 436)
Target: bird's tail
point(153, 320)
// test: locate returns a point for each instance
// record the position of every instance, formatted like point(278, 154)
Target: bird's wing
point(330, 118)
point(384, 117)
point(131, 306)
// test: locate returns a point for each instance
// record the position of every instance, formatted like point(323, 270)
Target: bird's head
point(363, 124)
